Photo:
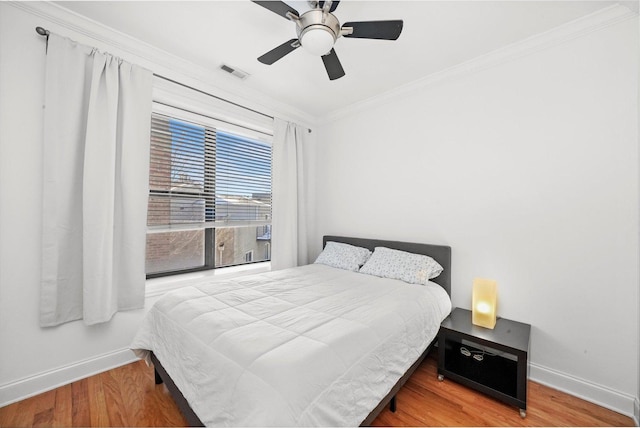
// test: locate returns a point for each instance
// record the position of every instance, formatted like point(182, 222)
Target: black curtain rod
point(43, 32)
point(214, 118)
point(211, 95)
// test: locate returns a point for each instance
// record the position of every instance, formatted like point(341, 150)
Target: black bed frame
point(440, 253)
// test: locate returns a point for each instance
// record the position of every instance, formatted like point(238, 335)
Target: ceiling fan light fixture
point(317, 40)
point(318, 29)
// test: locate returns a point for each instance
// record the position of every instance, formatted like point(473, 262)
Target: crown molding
point(170, 65)
point(86, 30)
point(577, 28)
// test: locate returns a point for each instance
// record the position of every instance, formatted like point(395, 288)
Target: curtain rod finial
point(42, 31)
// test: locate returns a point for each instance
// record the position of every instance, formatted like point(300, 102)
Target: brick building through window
point(210, 197)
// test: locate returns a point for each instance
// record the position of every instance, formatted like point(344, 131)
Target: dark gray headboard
point(440, 253)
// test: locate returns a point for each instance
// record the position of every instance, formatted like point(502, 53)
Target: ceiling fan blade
point(275, 54)
point(382, 30)
point(333, 66)
point(334, 5)
point(278, 7)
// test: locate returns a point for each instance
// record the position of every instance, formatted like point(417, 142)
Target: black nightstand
point(494, 362)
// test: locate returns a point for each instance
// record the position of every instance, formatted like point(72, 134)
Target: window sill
point(158, 286)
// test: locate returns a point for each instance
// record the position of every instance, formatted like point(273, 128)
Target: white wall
point(529, 170)
point(636, 403)
point(32, 358)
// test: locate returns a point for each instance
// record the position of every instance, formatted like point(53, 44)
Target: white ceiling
point(436, 35)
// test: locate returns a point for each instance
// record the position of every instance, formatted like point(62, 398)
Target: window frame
point(182, 114)
point(209, 258)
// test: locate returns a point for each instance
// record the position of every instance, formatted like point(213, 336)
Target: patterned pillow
point(343, 256)
point(396, 264)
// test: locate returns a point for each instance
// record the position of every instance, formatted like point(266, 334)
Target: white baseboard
point(46, 381)
point(636, 412)
point(601, 395)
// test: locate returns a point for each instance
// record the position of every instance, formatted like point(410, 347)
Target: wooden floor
point(127, 396)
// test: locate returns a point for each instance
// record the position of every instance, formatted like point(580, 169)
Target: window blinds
point(201, 177)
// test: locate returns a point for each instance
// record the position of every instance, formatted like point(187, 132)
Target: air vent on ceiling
point(234, 71)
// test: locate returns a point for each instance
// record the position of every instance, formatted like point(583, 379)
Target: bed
point(307, 346)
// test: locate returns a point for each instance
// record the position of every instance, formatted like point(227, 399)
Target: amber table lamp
point(485, 297)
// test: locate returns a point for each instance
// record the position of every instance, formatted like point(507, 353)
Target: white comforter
point(308, 346)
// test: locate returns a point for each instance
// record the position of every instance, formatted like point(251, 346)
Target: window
point(209, 198)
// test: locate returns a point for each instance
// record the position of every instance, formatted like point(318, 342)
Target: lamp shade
point(485, 299)
point(317, 40)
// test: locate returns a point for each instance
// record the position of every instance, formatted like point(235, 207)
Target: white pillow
point(396, 264)
point(343, 256)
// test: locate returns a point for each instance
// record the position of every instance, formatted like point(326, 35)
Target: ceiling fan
point(318, 29)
